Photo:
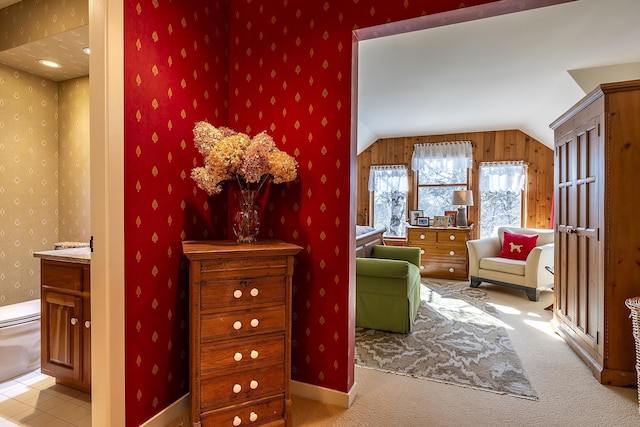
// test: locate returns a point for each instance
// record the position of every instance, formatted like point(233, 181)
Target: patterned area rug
point(458, 338)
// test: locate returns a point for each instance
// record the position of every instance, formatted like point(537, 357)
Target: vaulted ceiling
point(515, 71)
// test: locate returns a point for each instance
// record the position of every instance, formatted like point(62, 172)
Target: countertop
point(74, 255)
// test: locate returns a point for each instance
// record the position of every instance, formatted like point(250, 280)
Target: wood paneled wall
point(487, 147)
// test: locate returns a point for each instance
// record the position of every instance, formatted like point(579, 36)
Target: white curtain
point(502, 176)
point(388, 178)
point(442, 155)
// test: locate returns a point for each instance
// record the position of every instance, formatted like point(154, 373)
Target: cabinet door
point(577, 225)
point(61, 335)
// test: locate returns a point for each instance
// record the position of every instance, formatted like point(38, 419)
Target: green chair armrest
point(375, 267)
point(404, 253)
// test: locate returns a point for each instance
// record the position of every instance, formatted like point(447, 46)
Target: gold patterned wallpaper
point(73, 160)
point(34, 146)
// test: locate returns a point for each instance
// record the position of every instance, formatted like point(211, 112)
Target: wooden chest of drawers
point(240, 332)
point(444, 251)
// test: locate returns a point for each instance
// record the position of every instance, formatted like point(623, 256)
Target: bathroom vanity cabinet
point(65, 296)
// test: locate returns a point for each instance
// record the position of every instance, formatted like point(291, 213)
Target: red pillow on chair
point(518, 246)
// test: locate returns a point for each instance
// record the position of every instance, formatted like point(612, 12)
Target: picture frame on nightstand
point(453, 217)
point(441, 221)
point(414, 215)
point(422, 221)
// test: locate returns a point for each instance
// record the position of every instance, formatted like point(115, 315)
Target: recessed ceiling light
point(86, 50)
point(49, 63)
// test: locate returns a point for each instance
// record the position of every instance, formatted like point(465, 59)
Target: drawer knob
point(452, 253)
point(237, 357)
point(254, 354)
point(452, 237)
point(451, 270)
point(254, 292)
point(422, 236)
point(237, 325)
point(253, 384)
point(255, 323)
point(237, 421)
point(422, 267)
point(253, 416)
point(87, 324)
point(421, 251)
point(237, 388)
point(74, 320)
point(237, 294)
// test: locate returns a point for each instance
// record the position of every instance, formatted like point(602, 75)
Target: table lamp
point(462, 198)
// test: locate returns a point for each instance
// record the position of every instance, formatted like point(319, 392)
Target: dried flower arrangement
point(251, 162)
point(233, 155)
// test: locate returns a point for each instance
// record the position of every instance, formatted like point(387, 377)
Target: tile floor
point(34, 399)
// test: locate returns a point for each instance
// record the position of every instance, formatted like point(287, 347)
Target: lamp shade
point(462, 198)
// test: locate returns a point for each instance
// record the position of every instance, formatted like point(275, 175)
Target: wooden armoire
point(597, 228)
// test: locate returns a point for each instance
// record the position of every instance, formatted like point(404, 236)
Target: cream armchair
point(529, 275)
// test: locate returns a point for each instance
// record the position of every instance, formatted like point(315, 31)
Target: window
point(441, 168)
point(388, 186)
point(501, 190)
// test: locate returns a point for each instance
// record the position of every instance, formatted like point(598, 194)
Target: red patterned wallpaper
point(176, 71)
point(278, 65)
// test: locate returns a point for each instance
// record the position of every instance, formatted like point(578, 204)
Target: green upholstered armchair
point(388, 288)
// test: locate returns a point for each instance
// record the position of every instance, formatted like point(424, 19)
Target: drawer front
point(237, 294)
point(243, 267)
point(439, 267)
point(217, 326)
point(450, 251)
point(64, 276)
point(452, 236)
point(216, 392)
point(418, 237)
point(241, 355)
point(270, 410)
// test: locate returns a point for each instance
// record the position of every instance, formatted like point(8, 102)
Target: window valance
point(502, 176)
point(388, 178)
point(442, 155)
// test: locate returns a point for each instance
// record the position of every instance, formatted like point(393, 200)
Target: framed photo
point(423, 221)
point(440, 221)
point(414, 215)
point(453, 216)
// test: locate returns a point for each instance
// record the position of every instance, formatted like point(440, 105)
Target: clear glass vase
point(246, 222)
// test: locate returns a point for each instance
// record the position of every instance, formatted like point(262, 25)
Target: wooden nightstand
point(240, 332)
point(444, 251)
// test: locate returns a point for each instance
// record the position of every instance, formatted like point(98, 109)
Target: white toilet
point(19, 338)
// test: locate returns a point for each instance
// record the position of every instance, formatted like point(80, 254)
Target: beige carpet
point(567, 392)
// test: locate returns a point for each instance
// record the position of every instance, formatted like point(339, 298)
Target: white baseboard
point(324, 395)
point(179, 408)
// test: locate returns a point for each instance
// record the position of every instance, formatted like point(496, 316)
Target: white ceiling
point(516, 71)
